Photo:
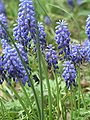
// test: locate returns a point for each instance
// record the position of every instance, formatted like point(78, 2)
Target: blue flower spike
point(69, 74)
point(62, 38)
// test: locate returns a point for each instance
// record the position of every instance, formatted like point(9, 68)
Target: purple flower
point(4, 43)
point(13, 65)
point(79, 2)
point(88, 27)
point(62, 38)
point(2, 8)
point(51, 57)
point(26, 28)
point(41, 37)
point(70, 3)
point(86, 47)
point(47, 20)
point(77, 53)
point(3, 21)
point(69, 74)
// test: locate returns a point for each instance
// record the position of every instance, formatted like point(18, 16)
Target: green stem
point(57, 87)
point(28, 99)
point(80, 89)
point(74, 93)
point(41, 84)
point(61, 103)
point(40, 74)
point(21, 102)
point(85, 106)
point(71, 101)
point(48, 86)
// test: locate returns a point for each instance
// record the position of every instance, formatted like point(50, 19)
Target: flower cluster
point(51, 57)
point(12, 63)
point(62, 38)
point(41, 37)
point(69, 73)
point(24, 31)
point(26, 28)
point(11, 66)
point(88, 27)
point(86, 47)
point(3, 21)
point(74, 54)
point(77, 53)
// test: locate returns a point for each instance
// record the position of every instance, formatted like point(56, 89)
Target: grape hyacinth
point(77, 53)
point(86, 47)
point(70, 3)
point(2, 8)
point(26, 28)
point(41, 37)
point(88, 27)
point(51, 57)
point(62, 38)
point(79, 2)
point(13, 65)
point(69, 74)
point(47, 20)
point(3, 21)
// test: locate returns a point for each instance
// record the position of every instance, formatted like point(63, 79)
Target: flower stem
point(21, 102)
point(28, 99)
point(57, 87)
point(79, 89)
point(49, 90)
point(41, 82)
point(71, 101)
